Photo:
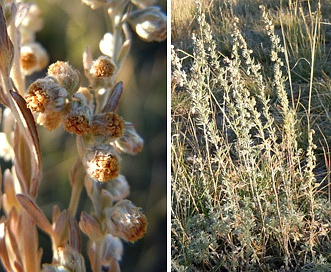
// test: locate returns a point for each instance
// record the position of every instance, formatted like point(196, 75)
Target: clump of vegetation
point(250, 157)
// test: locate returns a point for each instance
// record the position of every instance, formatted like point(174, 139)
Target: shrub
point(244, 192)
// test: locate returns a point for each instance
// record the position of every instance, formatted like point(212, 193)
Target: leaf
point(61, 229)
point(22, 167)
point(36, 213)
point(90, 227)
point(31, 134)
point(18, 267)
point(125, 49)
point(114, 266)
point(56, 212)
point(114, 98)
point(126, 45)
point(14, 245)
point(6, 47)
point(3, 98)
point(3, 248)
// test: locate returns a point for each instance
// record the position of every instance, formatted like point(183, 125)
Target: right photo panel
point(250, 135)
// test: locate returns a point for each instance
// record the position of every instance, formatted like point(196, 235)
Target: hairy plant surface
point(64, 196)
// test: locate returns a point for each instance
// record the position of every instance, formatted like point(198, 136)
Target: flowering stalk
point(89, 112)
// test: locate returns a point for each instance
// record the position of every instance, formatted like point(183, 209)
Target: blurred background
point(70, 26)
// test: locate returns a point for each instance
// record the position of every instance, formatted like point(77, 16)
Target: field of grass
point(251, 136)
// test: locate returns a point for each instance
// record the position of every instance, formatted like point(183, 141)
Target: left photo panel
point(83, 135)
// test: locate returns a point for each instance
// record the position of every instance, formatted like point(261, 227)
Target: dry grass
point(183, 15)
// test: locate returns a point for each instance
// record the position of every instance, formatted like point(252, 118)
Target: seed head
point(28, 60)
point(46, 97)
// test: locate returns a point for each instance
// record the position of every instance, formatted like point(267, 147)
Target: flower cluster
point(58, 99)
point(89, 113)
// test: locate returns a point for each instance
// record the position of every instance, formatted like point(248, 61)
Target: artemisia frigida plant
point(102, 135)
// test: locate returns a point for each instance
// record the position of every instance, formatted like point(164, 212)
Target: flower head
point(107, 124)
point(76, 117)
point(127, 221)
point(103, 67)
point(119, 188)
point(107, 44)
point(150, 24)
point(102, 72)
point(50, 120)
point(33, 58)
point(102, 162)
point(33, 19)
point(112, 248)
point(68, 77)
point(130, 142)
point(66, 258)
point(46, 95)
point(76, 121)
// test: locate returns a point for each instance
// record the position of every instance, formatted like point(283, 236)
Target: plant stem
point(96, 266)
point(29, 242)
point(74, 199)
